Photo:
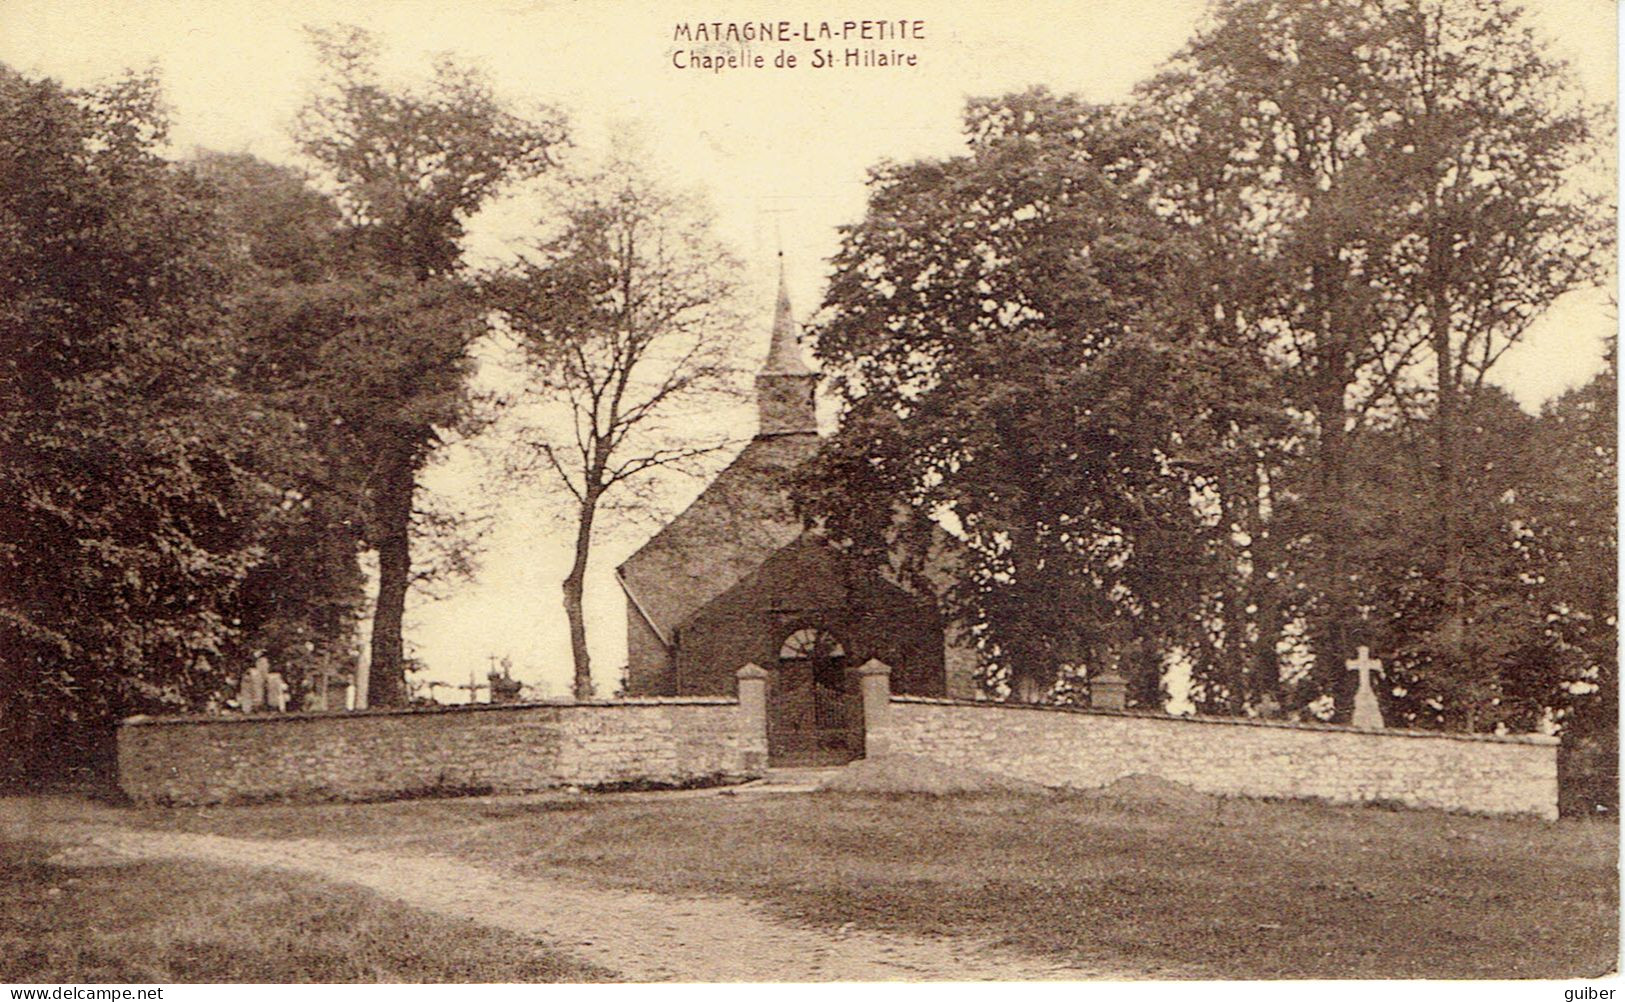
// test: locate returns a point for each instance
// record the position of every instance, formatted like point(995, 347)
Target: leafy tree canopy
point(130, 499)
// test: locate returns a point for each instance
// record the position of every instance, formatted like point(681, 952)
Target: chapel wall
point(1063, 747)
point(648, 663)
point(390, 753)
point(810, 584)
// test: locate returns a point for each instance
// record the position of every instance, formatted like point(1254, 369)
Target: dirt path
point(646, 937)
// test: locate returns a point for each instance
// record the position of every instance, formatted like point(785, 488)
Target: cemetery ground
point(1146, 880)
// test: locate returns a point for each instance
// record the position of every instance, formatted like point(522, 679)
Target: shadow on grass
point(187, 923)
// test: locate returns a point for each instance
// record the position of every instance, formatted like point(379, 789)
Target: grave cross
point(472, 687)
point(1365, 664)
point(1366, 711)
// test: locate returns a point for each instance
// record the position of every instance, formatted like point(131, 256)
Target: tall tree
point(411, 168)
point(297, 286)
point(1573, 500)
point(130, 503)
point(1494, 225)
point(1259, 121)
point(627, 317)
point(1401, 174)
point(1003, 334)
point(1521, 674)
point(1340, 181)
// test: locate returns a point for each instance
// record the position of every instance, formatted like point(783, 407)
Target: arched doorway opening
point(814, 713)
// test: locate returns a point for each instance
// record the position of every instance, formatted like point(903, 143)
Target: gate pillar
point(752, 719)
point(875, 680)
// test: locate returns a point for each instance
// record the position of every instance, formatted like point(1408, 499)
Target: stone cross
point(1366, 711)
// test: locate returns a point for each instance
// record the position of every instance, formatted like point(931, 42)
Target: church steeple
point(784, 387)
point(783, 352)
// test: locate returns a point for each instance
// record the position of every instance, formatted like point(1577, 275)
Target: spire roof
point(784, 351)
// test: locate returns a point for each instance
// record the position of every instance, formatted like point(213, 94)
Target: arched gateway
point(814, 708)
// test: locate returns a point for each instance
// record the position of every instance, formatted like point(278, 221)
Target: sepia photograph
point(498, 492)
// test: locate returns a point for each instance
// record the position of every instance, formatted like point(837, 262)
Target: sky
point(781, 153)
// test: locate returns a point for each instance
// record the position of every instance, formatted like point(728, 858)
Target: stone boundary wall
point(372, 754)
point(1063, 746)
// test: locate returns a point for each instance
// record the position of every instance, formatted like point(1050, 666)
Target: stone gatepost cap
point(874, 666)
point(751, 671)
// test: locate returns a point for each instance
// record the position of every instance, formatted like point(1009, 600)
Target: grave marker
point(1366, 711)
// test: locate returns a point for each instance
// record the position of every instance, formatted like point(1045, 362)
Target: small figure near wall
point(251, 691)
point(276, 691)
point(261, 688)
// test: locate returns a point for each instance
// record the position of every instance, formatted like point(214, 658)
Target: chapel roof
point(743, 517)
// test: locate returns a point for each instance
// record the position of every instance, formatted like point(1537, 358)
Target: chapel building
point(738, 578)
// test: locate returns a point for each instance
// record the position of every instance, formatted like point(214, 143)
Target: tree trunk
point(393, 539)
point(574, 585)
point(1449, 462)
point(1231, 658)
point(1329, 508)
point(1332, 638)
point(1266, 658)
point(1436, 274)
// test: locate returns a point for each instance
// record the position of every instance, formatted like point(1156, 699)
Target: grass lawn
point(168, 922)
point(1207, 888)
